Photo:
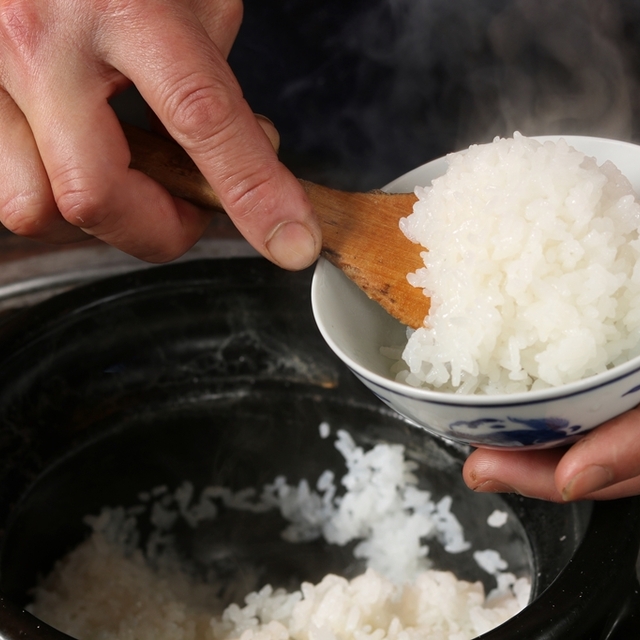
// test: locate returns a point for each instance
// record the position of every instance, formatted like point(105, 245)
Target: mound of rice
point(532, 268)
point(108, 588)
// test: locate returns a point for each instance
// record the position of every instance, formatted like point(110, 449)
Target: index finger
point(528, 473)
point(186, 81)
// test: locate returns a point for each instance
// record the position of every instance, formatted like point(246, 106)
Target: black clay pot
point(214, 372)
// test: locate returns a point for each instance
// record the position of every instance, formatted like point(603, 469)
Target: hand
point(64, 159)
point(603, 465)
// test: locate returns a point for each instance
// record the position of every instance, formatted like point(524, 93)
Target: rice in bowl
point(532, 270)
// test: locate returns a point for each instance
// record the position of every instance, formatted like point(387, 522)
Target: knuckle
point(252, 196)
point(22, 212)
point(199, 111)
point(81, 202)
point(21, 25)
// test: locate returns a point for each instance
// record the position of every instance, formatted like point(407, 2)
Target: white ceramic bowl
point(356, 327)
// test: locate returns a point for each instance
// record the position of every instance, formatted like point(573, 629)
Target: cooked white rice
point(532, 268)
point(108, 589)
point(497, 519)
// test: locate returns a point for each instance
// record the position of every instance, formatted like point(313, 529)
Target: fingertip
point(160, 233)
point(277, 218)
point(480, 467)
point(478, 476)
point(190, 225)
point(526, 473)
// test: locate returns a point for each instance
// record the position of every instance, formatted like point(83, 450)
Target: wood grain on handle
point(169, 164)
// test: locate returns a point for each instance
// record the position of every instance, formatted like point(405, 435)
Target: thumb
point(605, 463)
point(262, 198)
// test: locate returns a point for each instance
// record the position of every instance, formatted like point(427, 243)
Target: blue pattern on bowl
point(539, 431)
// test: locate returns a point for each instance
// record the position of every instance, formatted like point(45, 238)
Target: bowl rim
point(570, 389)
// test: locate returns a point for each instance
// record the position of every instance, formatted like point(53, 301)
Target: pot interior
point(213, 373)
point(238, 439)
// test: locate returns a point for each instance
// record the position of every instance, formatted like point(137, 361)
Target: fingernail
point(259, 116)
point(292, 246)
point(587, 481)
point(270, 129)
point(493, 486)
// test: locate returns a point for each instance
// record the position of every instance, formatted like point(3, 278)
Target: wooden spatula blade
point(362, 237)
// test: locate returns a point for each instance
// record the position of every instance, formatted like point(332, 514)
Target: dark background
point(364, 90)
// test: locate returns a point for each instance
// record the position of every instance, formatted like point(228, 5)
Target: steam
point(400, 82)
point(562, 68)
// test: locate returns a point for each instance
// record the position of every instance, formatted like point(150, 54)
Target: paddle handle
point(360, 232)
point(169, 164)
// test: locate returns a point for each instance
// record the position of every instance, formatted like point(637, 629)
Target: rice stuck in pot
point(532, 269)
point(113, 587)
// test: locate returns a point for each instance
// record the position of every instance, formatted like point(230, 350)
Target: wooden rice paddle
point(360, 233)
